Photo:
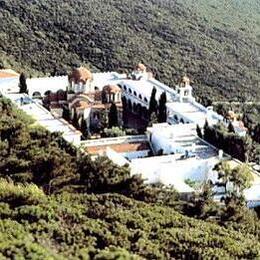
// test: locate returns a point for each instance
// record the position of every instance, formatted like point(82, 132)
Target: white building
point(44, 118)
point(179, 154)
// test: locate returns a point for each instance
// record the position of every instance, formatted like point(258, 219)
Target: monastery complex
point(169, 153)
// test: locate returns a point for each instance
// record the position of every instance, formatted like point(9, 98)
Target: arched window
point(182, 121)
point(130, 90)
point(125, 88)
point(140, 96)
point(176, 118)
point(47, 93)
point(135, 93)
point(146, 100)
point(119, 86)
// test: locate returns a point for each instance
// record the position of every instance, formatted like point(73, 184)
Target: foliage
point(22, 83)
point(83, 127)
point(112, 226)
point(113, 132)
point(113, 116)
point(214, 41)
point(233, 144)
point(162, 110)
point(75, 119)
point(198, 130)
point(79, 208)
point(153, 106)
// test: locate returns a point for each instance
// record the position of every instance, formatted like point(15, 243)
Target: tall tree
point(162, 115)
point(153, 119)
point(22, 83)
point(113, 116)
point(66, 114)
point(231, 128)
point(199, 133)
point(153, 106)
point(83, 127)
point(75, 120)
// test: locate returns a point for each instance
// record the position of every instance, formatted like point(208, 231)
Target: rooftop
point(124, 144)
point(119, 148)
point(43, 116)
point(182, 138)
point(8, 74)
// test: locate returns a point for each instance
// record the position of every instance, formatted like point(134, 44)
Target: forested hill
point(55, 204)
point(216, 42)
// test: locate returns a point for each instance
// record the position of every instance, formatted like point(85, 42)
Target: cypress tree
point(75, 120)
point(153, 106)
point(83, 127)
point(113, 116)
point(231, 128)
point(66, 113)
point(162, 116)
point(22, 83)
point(199, 133)
point(153, 119)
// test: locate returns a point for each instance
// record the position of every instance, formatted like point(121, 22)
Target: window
point(186, 93)
point(130, 90)
point(140, 96)
point(125, 88)
point(146, 100)
point(135, 93)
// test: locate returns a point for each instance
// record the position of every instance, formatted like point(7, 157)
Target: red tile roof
point(120, 148)
point(7, 74)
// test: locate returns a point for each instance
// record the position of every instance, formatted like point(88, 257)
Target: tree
point(199, 133)
point(257, 133)
point(162, 115)
point(113, 132)
point(231, 128)
point(83, 127)
point(153, 106)
point(66, 114)
point(224, 172)
point(240, 177)
point(23, 84)
point(153, 119)
point(75, 120)
point(113, 116)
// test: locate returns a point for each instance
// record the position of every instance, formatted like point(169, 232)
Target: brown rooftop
point(6, 74)
point(120, 148)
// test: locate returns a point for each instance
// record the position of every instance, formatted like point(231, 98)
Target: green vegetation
point(249, 114)
point(233, 144)
point(216, 42)
point(113, 116)
point(113, 132)
point(57, 203)
point(22, 83)
point(106, 226)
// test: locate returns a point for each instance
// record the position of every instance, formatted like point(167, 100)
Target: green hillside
point(107, 226)
point(56, 203)
point(215, 42)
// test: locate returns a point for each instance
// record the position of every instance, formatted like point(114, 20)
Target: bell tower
point(184, 90)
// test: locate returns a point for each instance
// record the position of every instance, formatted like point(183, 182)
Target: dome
point(80, 75)
point(81, 104)
point(112, 89)
point(141, 67)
